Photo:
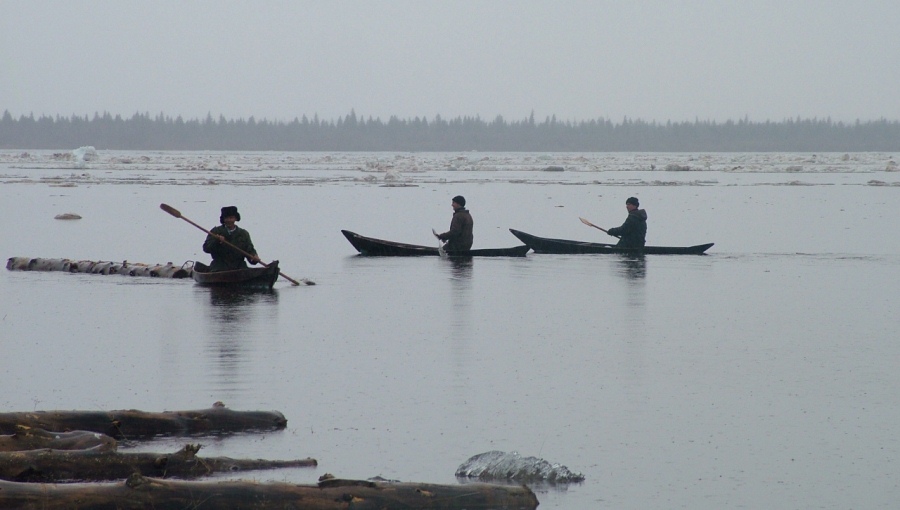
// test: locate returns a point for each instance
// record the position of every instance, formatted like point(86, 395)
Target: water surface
point(760, 375)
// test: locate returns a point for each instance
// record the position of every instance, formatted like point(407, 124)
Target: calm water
point(761, 375)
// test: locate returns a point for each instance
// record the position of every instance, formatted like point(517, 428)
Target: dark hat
point(633, 201)
point(459, 199)
point(229, 211)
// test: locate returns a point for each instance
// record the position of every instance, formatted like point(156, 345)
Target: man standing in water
point(632, 233)
point(225, 257)
point(459, 237)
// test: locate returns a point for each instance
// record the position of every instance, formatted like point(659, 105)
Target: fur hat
point(633, 201)
point(459, 199)
point(229, 211)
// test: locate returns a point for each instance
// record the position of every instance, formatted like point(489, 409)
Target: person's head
point(458, 202)
point(229, 215)
point(632, 203)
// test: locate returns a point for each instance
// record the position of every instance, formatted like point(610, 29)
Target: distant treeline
point(351, 133)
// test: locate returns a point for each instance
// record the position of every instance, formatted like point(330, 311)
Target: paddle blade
point(171, 210)
point(441, 252)
point(588, 223)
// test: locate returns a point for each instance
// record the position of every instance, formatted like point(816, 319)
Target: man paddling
point(459, 237)
point(225, 257)
point(632, 233)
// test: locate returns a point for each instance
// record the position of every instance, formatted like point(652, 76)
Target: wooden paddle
point(175, 212)
point(586, 222)
point(441, 252)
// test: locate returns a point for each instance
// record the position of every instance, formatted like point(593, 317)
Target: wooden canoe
point(547, 245)
point(378, 247)
point(251, 277)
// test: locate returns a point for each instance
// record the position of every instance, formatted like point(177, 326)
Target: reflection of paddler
point(225, 257)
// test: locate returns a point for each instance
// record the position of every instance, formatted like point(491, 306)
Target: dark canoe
point(252, 277)
point(546, 245)
point(380, 248)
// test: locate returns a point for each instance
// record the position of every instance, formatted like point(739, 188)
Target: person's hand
point(254, 259)
point(221, 238)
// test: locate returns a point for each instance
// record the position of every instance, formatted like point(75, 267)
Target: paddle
point(586, 222)
point(175, 212)
point(441, 252)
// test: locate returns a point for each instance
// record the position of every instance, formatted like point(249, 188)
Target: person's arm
point(624, 229)
point(248, 247)
point(213, 242)
point(455, 231)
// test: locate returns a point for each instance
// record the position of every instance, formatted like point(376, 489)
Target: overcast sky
point(578, 60)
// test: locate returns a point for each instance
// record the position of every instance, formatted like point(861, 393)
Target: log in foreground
point(27, 438)
point(93, 465)
point(139, 492)
point(133, 424)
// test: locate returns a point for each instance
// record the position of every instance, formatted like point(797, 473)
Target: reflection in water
point(233, 314)
point(231, 305)
point(460, 320)
point(633, 267)
point(462, 267)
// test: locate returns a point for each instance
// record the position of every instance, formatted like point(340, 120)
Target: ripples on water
point(760, 375)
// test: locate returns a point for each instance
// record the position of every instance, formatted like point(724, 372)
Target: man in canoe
point(459, 237)
point(632, 233)
point(225, 257)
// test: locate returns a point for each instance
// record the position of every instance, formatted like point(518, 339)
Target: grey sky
point(653, 60)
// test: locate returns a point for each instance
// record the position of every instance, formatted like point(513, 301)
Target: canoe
point(547, 245)
point(251, 277)
point(381, 248)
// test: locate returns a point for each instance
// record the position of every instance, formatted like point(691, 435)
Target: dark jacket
point(459, 237)
point(225, 257)
point(632, 233)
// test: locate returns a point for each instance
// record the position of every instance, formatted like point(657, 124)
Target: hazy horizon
point(579, 60)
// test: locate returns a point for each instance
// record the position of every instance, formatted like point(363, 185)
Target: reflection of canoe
point(546, 245)
point(251, 277)
point(377, 247)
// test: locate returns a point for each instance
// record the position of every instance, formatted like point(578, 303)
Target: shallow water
point(760, 375)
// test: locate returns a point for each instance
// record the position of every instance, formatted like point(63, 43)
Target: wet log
point(26, 438)
point(94, 465)
point(133, 424)
point(167, 270)
point(141, 493)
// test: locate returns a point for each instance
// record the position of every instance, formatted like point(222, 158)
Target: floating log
point(93, 465)
point(27, 438)
point(167, 270)
point(140, 493)
point(67, 216)
point(133, 424)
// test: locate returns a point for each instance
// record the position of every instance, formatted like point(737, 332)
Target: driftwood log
point(168, 270)
point(133, 424)
point(26, 438)
point(141, 493)
point(94, 465)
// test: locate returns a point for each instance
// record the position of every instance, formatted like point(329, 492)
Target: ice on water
point(411, 169)
point(497, 465)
